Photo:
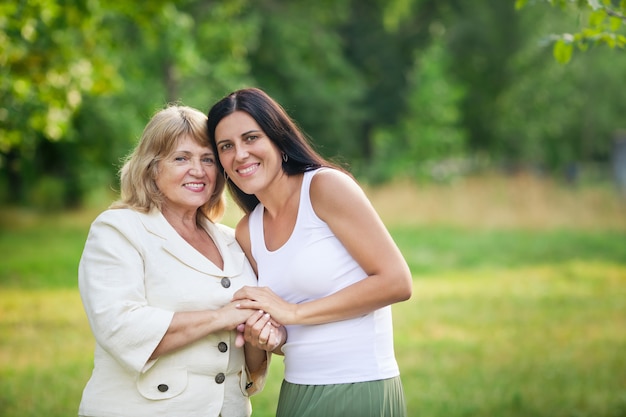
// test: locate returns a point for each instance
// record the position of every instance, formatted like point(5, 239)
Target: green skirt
point(384, 398)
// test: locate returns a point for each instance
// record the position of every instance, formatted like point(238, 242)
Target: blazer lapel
point(233, 256)
point(173, 243)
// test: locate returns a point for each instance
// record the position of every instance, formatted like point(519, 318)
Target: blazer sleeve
point(111, 285)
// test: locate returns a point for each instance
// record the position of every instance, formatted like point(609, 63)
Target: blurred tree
point(380, 40)
point(393, 86)
point(167, 53)
point(428, 142)
point(50, 58)
point(135, 57)
point(299, 60)
point(604, 19)
point(482, 37)
point(556, 116)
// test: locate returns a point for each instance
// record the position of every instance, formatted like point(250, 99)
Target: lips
point(248, 169)
point(195, 186)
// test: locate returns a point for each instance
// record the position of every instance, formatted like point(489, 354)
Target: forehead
point(236, 124)
point(187, 143)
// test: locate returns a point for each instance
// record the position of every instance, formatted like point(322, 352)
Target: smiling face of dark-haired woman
point(249, 157)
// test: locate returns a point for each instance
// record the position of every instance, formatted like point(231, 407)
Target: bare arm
point(342, 204)
point(190, 326)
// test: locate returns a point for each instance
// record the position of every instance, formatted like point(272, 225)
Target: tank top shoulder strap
point(306, 208)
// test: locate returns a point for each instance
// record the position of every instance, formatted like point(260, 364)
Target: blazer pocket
point(245, 382)
point(162, 383)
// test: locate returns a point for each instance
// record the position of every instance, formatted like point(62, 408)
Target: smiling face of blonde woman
point(186, 177)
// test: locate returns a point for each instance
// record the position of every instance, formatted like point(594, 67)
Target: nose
point(241, 153)
point(196, 167)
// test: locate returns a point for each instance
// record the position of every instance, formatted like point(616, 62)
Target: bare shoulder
point(333, 191)
point(242, 231)
point(333, 180)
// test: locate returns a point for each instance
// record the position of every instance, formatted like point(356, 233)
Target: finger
point(239, 339)
point(266, 333)
point(254, 318)
point(242, 293)
point(274, 340)
point(274, 322)
point(246, 303)
point(260, 324)
point(256, 333)
point(252, 328)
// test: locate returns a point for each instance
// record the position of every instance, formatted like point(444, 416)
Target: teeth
point(190, 185)
point(247, 170)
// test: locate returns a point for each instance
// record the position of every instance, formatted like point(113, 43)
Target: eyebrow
point(242, 135)
point(250, 131)
point(191, 153)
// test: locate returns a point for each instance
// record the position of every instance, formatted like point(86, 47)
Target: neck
point(279, 197)
point(181, 221)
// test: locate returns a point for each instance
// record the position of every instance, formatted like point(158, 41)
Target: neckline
point(303, 183)
point(208, 227)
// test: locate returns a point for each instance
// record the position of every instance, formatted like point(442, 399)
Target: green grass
point(532, 341)
point(432, 250)
point(510, 322)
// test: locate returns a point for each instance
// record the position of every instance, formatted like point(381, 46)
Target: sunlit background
point(403, 88)
point(489, 134)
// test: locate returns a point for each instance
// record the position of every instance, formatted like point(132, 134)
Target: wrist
point(219, 317)
point(283, 339)
point(296, 314)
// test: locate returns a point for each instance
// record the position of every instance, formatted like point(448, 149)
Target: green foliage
point(125, 60)
point(402, 87)
point(299, 61)
point(481, 39)
point(605, 20)
point(429, 131)
point(50, 59)
point(49, 193)
point(558, 115)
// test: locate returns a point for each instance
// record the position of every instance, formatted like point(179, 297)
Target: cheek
point(212, 173)
point(226, 160)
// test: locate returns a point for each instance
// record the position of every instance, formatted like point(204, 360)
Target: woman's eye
point(225, 146)
point(180, 158)
point(208, 161)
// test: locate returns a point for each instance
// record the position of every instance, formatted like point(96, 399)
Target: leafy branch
point(605, 20)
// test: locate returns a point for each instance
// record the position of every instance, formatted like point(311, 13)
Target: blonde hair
point(159, 138)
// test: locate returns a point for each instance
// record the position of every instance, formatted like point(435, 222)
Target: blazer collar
point(232, 255)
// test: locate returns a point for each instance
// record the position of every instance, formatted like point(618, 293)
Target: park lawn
point(544, 340)
point(505, 321)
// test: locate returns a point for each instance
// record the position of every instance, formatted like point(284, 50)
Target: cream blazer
point(134, 273)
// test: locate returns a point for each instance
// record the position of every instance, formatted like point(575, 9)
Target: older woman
point(157, 276)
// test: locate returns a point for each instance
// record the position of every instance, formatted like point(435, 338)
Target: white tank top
point(313, 264)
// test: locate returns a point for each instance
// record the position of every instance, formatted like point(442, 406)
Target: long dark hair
point(279, 128)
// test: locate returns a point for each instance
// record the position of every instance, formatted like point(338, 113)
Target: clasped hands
point(264, 328)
